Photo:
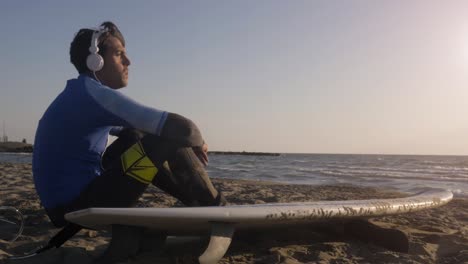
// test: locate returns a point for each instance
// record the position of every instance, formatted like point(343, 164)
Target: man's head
point(111, 46)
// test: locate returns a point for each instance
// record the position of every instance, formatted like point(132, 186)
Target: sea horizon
point(228, 152)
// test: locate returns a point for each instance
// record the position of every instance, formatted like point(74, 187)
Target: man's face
point(115, 71)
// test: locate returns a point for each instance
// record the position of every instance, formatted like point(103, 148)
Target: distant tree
point(24, 141)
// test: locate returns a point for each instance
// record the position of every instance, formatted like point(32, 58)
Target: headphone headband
point(95, 39)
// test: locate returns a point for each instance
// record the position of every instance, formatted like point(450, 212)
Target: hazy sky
point(387, 77)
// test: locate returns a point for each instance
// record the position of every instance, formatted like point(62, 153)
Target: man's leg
point(127, 173)
point(181, 174)
point(112, 189)
point(132, 162)
point(187, 181)
point(194, 186)
point(176, 170)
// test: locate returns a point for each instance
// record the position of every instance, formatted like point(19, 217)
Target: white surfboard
point(221, 221)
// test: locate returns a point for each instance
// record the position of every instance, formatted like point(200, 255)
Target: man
point(69, 167)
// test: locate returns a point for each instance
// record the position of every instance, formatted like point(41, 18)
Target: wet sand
point(435, 236)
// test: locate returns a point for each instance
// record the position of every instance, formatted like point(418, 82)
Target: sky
point(362, 77)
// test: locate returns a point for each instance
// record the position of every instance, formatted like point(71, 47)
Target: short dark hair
point(79, 48)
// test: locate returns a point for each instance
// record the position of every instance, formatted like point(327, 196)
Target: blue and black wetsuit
point(154, 146)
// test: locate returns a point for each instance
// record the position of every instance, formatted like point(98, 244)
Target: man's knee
point(182, 131)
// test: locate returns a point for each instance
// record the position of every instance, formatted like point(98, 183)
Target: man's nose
point(126, 60)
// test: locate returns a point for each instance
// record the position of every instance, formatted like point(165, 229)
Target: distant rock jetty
point(28, 148)
point(244, 153)
point(15, 147)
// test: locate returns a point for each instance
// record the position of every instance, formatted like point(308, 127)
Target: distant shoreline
point(20, 147)
point(16, 147)
point(244, 153)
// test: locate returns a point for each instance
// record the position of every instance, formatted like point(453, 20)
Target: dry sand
point(435, 236)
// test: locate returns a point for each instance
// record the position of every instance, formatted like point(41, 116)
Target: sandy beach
point(435, 236)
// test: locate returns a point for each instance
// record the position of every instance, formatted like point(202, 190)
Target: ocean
point(400, 172)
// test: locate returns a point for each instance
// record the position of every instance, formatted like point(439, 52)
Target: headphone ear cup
point(95, 62)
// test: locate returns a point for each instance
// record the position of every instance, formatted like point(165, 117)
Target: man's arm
point(126, 112)
point(202, 153)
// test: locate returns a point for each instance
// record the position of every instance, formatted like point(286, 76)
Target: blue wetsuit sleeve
point(121, 107)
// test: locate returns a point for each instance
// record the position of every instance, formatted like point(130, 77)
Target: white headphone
point(94, 61)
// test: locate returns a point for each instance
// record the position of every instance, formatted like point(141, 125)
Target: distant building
point(5, 137)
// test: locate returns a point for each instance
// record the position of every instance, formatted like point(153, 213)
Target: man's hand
point(202, 153)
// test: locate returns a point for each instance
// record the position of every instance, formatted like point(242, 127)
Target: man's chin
point(123, 84)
